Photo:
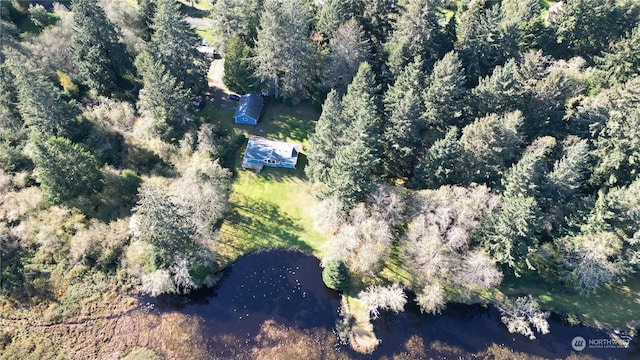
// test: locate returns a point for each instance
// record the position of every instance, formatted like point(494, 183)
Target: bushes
point(335, 275)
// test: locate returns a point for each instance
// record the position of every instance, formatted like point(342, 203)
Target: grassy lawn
point(613, 305)
point(272, 209)
point(205, 33)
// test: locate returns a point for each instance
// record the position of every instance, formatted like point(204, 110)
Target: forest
point(460, 146)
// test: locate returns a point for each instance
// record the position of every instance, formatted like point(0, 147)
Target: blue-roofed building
point(262, 152)
point(249, 108)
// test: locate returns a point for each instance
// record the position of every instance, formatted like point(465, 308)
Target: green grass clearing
point(614, 305)
point(272, 209)
point(206, 34)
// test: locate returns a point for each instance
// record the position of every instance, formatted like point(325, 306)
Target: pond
point(273, 304)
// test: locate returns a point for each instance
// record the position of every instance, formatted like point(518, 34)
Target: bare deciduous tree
point(478, 270)
point(383, 298)
point(328, 215)
point(523, 313)
point(431, 298)
point(590, 260)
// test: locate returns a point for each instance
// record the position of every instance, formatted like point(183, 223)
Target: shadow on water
point(285, 288)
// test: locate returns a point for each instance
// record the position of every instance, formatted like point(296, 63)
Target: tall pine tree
point(326, 139)
point(440, 165)
point(284, 55)
point(444, 97)
point(415, 32)
point(102, 60)
point(65, 170)
point(40, 105)
point(162, 98)
point(402, 136)
point(174, 43)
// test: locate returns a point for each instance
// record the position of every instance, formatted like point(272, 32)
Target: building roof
point(262, 149)
point(250, 105)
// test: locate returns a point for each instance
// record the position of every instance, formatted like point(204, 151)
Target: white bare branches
point(383, 298)
point(523, 313)
point(158, 282)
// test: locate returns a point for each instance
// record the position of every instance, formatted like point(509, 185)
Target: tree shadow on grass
point(259, 224)
point(193, 11)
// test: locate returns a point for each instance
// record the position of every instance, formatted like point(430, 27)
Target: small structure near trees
point(263, 152)
point(249, 108)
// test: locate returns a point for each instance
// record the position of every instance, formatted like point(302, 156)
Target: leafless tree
point(523, 313)
point(383, 298)
point(431, 298)
point(158, 282)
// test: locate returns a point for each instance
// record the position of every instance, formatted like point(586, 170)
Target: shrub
point(335, 275)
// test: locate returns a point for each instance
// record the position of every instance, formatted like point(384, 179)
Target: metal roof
point(262, 149)
point(250, 105)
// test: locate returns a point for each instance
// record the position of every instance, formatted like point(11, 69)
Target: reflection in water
point(274, 305)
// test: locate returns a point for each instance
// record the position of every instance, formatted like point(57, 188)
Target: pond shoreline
point(293, 298)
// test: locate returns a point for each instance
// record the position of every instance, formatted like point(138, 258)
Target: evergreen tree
point(335, 275)
point(570, 172)
point(326, 139)
point(490, 145)
point(174, 42)
point(361, 109)
point(415, 33)
point(509, 233)
point(162, 98)
point(516, 12)
point(235, 19)
point(482, 42)
point(376, 18)
point(238, 70)
point(10, 121)
point(617, 149)
point(147, 12)
point(284, 56)
point(348, 48)
point(40, 104)
point(350, 176)
point(332, 14)
point(524, 16)
point(411, 78)
point(546, 94)
point(622, 63)
point(499, 93)
point(102, 60)
point(65, 170)
point(401, 136)
point(444, 97)
point(440, 164)
point(587, 27)
point(8, 30)
point(561, 199)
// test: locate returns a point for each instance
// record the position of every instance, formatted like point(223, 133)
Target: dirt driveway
point(218, 92)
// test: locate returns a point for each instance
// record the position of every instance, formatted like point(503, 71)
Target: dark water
point(287, 288)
